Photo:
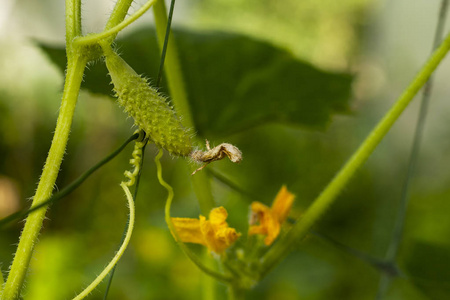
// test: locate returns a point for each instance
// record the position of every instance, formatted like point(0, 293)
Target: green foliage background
point(274, 78)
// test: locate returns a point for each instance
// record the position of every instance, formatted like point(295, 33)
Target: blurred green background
point(380, 43)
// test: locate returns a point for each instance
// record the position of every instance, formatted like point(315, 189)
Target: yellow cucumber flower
point(271, 218)
point(213, 233)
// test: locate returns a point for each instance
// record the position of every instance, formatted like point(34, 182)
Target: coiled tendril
point(135, 161)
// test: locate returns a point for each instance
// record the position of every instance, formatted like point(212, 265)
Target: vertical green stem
point(200, 181)
point(330, 193)
point(46, 184)
point(75, 70)
point(172, 66)
point(73, 22)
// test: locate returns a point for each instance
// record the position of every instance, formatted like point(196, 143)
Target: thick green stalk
point(200, 180)
point(73, 22)
point(75, 70)
point(330, 193)
point(46, 184)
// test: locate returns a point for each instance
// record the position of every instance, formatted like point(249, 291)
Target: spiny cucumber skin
point(148, 108)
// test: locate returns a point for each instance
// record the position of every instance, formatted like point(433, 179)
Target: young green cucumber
point(149, 109)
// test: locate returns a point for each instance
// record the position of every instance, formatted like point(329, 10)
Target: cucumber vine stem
point(75, 69)
point(172, 66)
point(330, 193)
point(200, 181)
point(46, 184)
point(77, 59)
point(73, 22)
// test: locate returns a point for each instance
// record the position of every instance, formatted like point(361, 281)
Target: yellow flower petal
point(218, 215)
point(213, 233)
point(270, 219)
point(189, 230)
point(268, 223)
point(282, 204)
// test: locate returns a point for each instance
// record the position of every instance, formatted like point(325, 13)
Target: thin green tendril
point(135, 161)
point(121, 250)
point(136, 189)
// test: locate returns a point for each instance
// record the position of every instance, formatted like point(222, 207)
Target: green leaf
point(234, 82)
